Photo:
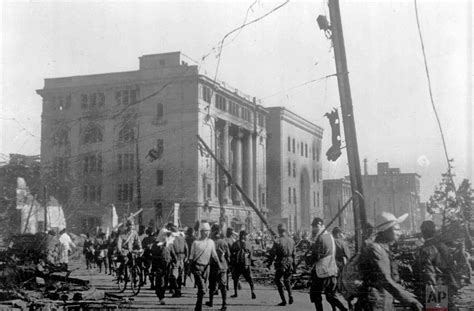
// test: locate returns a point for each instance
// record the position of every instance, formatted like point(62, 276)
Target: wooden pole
point(360, 217)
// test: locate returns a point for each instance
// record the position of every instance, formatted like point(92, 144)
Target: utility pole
point(360, 217)
point(137, 159)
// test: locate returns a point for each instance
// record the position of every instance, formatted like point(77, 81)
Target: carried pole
point(237, 186)
point(360, 216)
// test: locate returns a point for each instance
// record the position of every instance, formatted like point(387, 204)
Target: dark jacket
point(379, 287)
point(162, 256)
point(223, 254)
point(282, 252)
point(241, 254)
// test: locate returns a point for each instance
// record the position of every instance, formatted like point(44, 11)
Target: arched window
point(159, 110)
point(126, 134)
point(92, 134)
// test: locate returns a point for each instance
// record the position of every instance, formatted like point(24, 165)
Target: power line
point(221, 43)
point(300, 85)
point(431, 93)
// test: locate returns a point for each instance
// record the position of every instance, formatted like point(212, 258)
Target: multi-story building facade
point(129, 139)
point(294, 169)
point(336, 192)
point(392, 191)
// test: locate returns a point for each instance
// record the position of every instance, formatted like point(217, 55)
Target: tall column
point(225, 157)
point(238, 165)
point(248, 166)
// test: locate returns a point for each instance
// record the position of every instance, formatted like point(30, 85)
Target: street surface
point(267, 297)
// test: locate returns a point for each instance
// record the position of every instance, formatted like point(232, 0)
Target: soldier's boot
point(211, 298)
point(282, 296)
point(253, 291)
point(288, 289)
point(198, 306)
point(235, 289)
point(224, 299)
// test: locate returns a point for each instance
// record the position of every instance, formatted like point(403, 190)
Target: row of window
point(293, 146)
point(231, 107)
point(292, 169)
point(292, 197)
point(126, 97)
point(92, 100)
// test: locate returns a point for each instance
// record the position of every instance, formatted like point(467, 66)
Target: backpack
point(351, 277)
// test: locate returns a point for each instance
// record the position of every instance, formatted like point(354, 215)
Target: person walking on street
point(127, 242)
point(379, 286)
point(66, 246)
point(218, 270)
point(241, 259)
point(283, 254)
point(162, 257)
point(180, 248)
point(343, 253)
point(230, 240)
point(200, 256)
point(324, 271)
point(147, 243)
point(189, 238)
point(434, 265)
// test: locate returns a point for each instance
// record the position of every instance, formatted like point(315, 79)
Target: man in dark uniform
point(147, 243)
point(181, 251)
point(283, 253)
point(162, 257)
point(434, 265)
point(230, 240)
point(218, 273)
point(241, 259)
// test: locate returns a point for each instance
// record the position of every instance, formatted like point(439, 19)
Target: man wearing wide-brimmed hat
point(379, 287)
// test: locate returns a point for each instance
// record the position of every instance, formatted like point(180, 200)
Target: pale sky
point(394, 119)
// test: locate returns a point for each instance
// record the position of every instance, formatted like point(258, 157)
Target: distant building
point(97, 128)
point(336, 192)
point(392, 191)
point(294, 169)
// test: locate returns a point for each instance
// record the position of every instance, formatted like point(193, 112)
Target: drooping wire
point(431, 94)
point(221, 43)
point(300, 85)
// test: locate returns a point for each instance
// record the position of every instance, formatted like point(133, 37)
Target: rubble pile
point(28, 276)
point(265, 276)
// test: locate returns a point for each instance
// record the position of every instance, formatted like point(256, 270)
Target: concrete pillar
point(225, 156)
point(248, 166)
point(237, 166)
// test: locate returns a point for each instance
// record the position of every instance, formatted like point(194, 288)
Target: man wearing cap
point(241, 258)
point(126, 243)
point(218, 273)
point(324, 272)
point(200, 256)
point(434, 265)
point(379, 287)
point(283, 253)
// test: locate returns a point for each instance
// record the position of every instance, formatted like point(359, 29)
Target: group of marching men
point(170, 256)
